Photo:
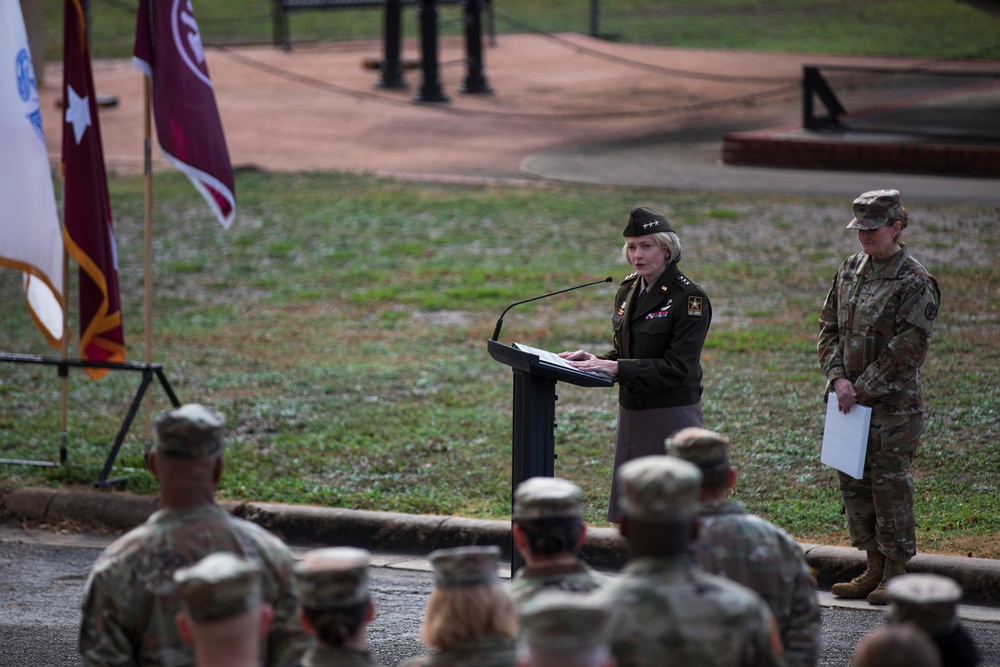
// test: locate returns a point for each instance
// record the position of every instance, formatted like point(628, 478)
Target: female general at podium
point(660, 321)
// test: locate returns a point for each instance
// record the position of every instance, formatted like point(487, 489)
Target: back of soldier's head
point(660, 498)
point(706, 449)
point(221, 598)
point(549, 510)
point(334, 592)
point(191, 431)
point(930, 602)
point(562, 629)
point(903, 645)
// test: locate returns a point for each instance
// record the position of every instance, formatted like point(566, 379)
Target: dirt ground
point(316, 107)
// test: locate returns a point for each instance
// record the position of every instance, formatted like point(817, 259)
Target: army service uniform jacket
point(875, 328)
point(658, 341)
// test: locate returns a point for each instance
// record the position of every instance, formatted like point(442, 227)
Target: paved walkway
point(566, 107)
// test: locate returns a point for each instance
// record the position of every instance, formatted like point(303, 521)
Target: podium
point(533, 448)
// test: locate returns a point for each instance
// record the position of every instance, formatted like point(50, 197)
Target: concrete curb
point(391, 532)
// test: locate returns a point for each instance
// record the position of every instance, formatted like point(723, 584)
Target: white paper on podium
point(554, 359)
point(845, 437)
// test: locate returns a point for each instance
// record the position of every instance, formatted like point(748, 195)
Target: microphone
point(496, 331)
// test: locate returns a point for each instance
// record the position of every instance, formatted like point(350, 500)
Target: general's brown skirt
point(641, 433)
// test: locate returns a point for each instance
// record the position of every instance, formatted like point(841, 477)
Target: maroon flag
point(168, 50)
point(87, 232)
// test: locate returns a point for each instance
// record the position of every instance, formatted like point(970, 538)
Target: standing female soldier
point(660, 322)
point(875, 328)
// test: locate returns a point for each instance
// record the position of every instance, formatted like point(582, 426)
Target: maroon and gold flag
point(87, 230)
point(168, 50)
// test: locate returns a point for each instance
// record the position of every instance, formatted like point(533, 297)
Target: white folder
point(845, 437)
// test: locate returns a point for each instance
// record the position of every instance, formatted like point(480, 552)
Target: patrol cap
point(463, 567)
point(706, 449)
point(873, 208)
point(929, 601)
point(556, 622)
point(333, 578)
point(219, 586)
point(546, 498)
point(191, 431)
point(642, 221)
point(659, 489)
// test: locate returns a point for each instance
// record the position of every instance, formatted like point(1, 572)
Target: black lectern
point(533, 447)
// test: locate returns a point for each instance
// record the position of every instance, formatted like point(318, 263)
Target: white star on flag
point(77, 113)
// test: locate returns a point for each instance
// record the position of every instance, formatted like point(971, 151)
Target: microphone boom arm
point(496, 331)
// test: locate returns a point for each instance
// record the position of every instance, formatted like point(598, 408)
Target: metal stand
point(475, 79)
point(391, 69)
point(430, 88)
point(63, 366)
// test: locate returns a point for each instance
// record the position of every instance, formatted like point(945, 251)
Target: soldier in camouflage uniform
point(130, 599)
point(548, 529)
point(875, 328)
point(562, 629)
point(223, 614)
point(336, 606)
point(750, 550)
point(470, 619)
point(660, 321)
point(930, 602)
point(669, 611)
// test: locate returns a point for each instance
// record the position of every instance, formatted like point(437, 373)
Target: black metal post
point(430, 87)
point(593, 17)
point(392, 70)
point(475, 79)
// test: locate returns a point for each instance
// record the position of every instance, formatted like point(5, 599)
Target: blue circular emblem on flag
point(25, 77)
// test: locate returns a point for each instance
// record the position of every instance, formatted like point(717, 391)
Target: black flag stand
point(63, 365)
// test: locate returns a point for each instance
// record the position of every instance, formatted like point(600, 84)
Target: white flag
point(30, 234)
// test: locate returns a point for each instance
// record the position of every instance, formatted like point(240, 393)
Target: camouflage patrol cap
point(333, 578)
point(219, 586)
point(556, 622)
point(465, 566)
point(659, 489)
point(874, 208)
point(642, 221)
point(706, 449)
point(929, 601)
point(547, 497)
point(191, 431)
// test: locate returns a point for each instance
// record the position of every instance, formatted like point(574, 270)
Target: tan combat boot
point(866, 582)
point(893, 568)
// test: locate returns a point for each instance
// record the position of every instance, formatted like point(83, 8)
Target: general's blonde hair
point(666, 240)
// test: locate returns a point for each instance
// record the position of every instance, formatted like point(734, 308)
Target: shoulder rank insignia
point(683, 280)
point(629, 277)
point(694, 306)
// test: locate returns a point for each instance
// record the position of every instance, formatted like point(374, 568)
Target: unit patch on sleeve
point(694, 306)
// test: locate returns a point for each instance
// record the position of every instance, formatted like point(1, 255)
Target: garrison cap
point(333, 578)
point(546, 498)
point(463, 567)
point(659, 489)
point(873, 208)
point(556, 622)
point(642, 221)
point(191, 431)
point(706, 449)
point(219, 586)
point(929, 601)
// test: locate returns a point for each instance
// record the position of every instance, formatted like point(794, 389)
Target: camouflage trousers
point(879, 506)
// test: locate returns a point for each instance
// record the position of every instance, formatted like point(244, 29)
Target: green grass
point(920, 28)
point(341, 326)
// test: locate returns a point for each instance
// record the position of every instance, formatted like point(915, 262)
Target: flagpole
point(64, 350)
point(148, 261)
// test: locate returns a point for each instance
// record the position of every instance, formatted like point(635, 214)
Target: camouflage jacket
point(321, 655)
point(482, 652)
point(668, 611)
point(576, 578)
point(129, 602)
point(875, 328)
point(763, 557)
point(658, 341)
